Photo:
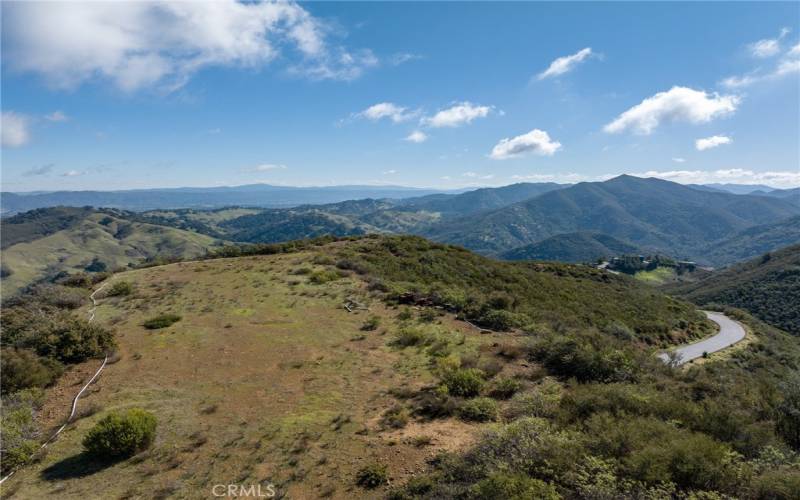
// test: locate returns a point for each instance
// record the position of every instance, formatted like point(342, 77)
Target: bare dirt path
point(74, 408)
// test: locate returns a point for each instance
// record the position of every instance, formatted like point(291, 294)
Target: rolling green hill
point(43, 243)
point(768, 287)
point(673, 219)
point(341, 367)
point(572, 247)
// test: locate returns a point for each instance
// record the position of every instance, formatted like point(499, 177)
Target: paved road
point(730, 332)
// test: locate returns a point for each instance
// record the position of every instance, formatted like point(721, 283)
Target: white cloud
point(459, 114)
point(473, 175)
point(337, 64)
point(387, 110)
point(565, 64)
point(389, 172)
point(788, 64)
point(15, 129)
point(56, 116)
point(74, 173)
point(676, 104)
point(163, 43)
point(764, 48)
point(768, 47)
point(779, 179)
point(711, 142)
point(679, 160)
point(265, 167)
point(536, 141)
point(417, 136)
point(402, 58)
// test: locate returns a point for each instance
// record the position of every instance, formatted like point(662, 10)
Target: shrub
point(410, 336)
point(324, 276)
point(395, 417)
point(77, 280)
point(498, 319)
point(435, 403)
point(72, 340)
point(405, 314)
point(18, 428)
point(542, 402)
point(161, 321)
point(463, 382)
point(96, 266)
point(121, 434)
point(504, 486)
point(372, 476)
point(22, 368)
point(504, 388)
point(478, 410)
point(788, 425)
point(120, 288)
point(371, 323)
point(585, 357)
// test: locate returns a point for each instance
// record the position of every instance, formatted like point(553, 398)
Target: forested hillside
point(768, 287)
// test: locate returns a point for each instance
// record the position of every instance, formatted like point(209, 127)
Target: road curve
point(730, 332)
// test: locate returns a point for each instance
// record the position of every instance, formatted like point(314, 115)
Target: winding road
point(730, 332)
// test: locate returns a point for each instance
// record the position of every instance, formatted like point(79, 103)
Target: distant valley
point(526, 221)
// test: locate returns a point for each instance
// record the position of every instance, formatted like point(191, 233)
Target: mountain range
point(526, 221)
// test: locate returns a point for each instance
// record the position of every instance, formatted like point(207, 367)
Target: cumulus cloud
point(536, 141)
point(462, 113)
point(417, 136)
point(711, 142)
point(795, 51)
point(779, 179)
point(679, 160)
point(37, 171)
point(677, 104)
point(388, 110)
point(565, 64)
point(140, 44)
point(15, 129)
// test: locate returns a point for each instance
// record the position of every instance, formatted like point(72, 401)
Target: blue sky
point(129, 95)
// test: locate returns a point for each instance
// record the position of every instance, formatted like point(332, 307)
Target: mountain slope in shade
point(480, 199)
point(669, 217)
point(754, 241)
point(572, 247)
point(767, 286)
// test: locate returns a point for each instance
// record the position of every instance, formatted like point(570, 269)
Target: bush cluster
point(121, 434)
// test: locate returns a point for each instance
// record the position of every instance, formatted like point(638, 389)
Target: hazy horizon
point(316, 94)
